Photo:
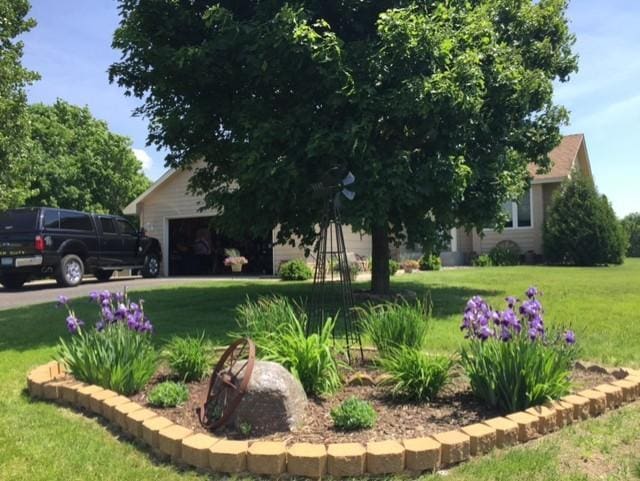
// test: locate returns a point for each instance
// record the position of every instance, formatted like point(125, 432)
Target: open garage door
point(196, 248)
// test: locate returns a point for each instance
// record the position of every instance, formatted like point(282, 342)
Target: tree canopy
point(76, 162)
point(581, 227)
point(14, 78)
point(631, 225)
point(436, 107)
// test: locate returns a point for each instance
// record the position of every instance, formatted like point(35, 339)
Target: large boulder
point(274, 401)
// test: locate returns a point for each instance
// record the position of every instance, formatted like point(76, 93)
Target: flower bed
point(408, 411)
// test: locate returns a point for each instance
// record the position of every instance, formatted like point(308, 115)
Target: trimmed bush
point(414, 375)
point(410, 265)
point(354, 414)
point(394, 266)
point(394, 325)
point(295, 270)
point(631, 226)
point(505, 255)
point(430, 262)
point(168, 395)
point(581, 227)
point(483, 260)
point(189, 357)
point(513, 362)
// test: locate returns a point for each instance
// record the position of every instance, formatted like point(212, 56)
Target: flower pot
point(236, 267)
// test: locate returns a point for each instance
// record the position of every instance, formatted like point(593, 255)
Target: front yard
point(42, 441)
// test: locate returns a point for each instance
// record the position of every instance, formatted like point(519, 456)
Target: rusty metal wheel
point(225, 389)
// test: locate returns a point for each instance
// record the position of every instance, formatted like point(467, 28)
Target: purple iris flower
point(119, 297)
point(62, 301)
point(134, 307)
point(107, 314)
point(533, 334)
point(532, 292)
point(511, 301)
point(100, 325)
point(93, 296)
point(484, 333)
point(74, 324)
point(121, 312)
point(506, 334)
point(570, 337)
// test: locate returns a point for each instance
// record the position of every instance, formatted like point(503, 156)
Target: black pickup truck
point(41, 242)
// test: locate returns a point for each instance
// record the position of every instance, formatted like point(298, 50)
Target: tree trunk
point(380, 260)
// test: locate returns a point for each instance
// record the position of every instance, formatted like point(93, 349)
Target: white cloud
point(144, 158)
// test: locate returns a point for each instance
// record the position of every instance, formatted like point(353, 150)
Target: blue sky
point(71, 48)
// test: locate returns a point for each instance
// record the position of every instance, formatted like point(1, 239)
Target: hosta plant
point(117, 353)
point(512, 360)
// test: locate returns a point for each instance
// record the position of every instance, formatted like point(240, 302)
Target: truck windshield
point(19, 220)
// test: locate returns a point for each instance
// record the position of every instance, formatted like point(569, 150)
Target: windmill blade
point(349, 179)
point(349, 194)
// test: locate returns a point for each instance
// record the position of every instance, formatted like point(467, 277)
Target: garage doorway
point(195, 248)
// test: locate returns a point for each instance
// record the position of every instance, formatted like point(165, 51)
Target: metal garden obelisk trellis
point(332, 293)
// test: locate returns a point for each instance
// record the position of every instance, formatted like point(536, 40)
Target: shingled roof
point(563, 158)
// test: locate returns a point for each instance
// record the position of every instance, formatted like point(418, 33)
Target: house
point(167, 211)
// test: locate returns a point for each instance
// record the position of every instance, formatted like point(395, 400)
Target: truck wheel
point(103, 276)
point(12, 282)
point(151, 266)
point(70, 271)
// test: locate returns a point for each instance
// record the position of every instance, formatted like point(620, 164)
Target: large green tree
point(78, 163)
point(14, 78)
point(631, 226)
point(437, 107)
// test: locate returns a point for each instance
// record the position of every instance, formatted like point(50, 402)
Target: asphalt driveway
point(47, 291)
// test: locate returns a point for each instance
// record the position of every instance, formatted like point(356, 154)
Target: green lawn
point(43, 441)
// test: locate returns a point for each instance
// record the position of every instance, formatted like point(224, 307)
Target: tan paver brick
point(506, 431)
point(122, 410)
point(564, 413)
point(96, 400)
point(597, 401)
point(455, 447)
point(614, 395)
point(385, 457)
point(229, 456)
point(135, 420)
point(109, 405)
point(581, 406)
point(547, 418)
point(195, 449)
point(527, 426)
point(308, 460)
point(483, 438)
point(170, 440)
point(83, 395)
point(628, 390)
point(150, 429)
point(267, 457)
point(422, 454)
point(346, 459)
point(69, 392)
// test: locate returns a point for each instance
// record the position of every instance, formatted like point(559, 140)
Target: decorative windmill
point(332, 293)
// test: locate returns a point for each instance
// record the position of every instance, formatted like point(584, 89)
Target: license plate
point(7, 262)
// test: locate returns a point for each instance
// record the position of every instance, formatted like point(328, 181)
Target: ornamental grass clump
point(117, 354)
point(415, 375)
point(189, 357)
point(279, 328)
point(512, 360)
point(396, 324)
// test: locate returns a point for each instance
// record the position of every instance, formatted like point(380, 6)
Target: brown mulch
point(455, 407)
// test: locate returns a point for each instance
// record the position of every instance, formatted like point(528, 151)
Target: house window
point(519, 212)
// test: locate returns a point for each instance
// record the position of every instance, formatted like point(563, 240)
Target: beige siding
point(169, 201)
point(355, 242)
point(528, 238)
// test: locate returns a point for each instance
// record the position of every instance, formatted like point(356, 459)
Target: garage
point(196, 248)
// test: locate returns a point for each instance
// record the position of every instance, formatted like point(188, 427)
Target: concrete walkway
point(47, 291)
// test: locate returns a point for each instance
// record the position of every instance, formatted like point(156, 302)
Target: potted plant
point(234, 260)
point(410, 265)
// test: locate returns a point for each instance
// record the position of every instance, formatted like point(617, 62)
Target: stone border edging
point(273, 458)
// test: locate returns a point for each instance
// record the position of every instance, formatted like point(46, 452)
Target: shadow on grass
point(190, 310)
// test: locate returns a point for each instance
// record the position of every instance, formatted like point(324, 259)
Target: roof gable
point(563, 159)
